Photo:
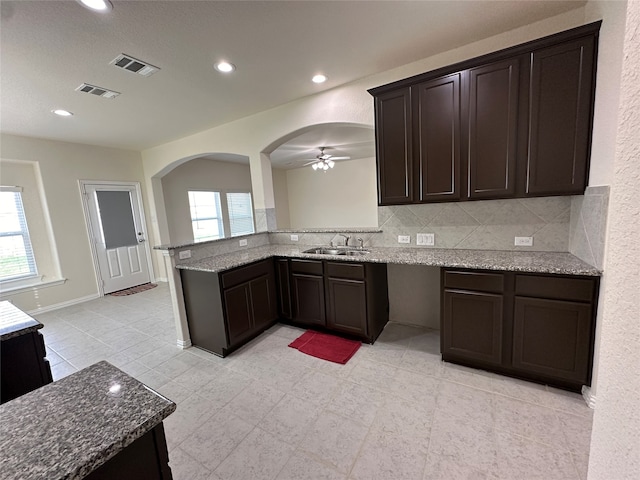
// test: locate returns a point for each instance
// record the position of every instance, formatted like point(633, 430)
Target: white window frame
point(18, 280)
point(219, 218)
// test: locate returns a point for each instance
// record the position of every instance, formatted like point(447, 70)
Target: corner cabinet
point(513, 123)
point(537, 327)
point(225, 310)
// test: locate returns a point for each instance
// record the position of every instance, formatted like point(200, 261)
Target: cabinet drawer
point(246, 273)
point(578, 289)
point(345, 270)
point(483, 282)
point(311, 267)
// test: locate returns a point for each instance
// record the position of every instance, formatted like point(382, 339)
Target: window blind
point(240, 214)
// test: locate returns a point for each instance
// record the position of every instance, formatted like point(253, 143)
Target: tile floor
point(395, 411)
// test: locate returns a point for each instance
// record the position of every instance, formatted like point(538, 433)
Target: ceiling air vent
point(134, 65)
point(98, 91)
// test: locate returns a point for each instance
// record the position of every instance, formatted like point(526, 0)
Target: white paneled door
point(116, 225)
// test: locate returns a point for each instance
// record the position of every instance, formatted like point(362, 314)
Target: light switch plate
point(294, 238)
point(184, 254)
point(426, 239)
point(404, 238)
point(243, 243)
point(524, 242)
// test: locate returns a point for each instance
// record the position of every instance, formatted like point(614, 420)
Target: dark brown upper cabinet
point(491, 133)
point(393, 146)
point(562, 81)
point(513, 123)
point(437, 139)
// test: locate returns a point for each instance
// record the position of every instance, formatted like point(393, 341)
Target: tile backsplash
point(588, 225)
point(485, 225)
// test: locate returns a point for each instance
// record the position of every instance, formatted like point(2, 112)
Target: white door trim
point(92, 241)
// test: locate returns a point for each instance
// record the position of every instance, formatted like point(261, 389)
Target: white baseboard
point(184, 343)
point(161, 279)
point(57, 306)
point(588, 397)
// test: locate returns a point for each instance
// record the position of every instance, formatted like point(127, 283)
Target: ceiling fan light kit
point(324, 161)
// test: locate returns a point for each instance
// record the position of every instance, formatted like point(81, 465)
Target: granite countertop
point(14, 322)
point(68, 428)
point(534, 262)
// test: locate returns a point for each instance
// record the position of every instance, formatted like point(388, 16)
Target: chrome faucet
point(346, 239)
point(360, 243)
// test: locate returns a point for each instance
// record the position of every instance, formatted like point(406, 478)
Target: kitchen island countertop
point(560, 263)
point(67, 429)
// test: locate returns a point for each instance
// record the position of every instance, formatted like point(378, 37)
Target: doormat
point(325, 346)
point(130, 291)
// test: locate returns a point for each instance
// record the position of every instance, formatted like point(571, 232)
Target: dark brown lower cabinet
point(23, 365)
point(307, 292)
point(551, 337)
point(145, 459)
point(226, 310)
point(284, 288)
point(347, 302)
point(532, 326)
point(473, 322)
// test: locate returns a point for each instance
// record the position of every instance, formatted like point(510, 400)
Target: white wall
point(281, 197)
point(62, 165)
point(615, 440)
point(607, 86)
point(198, 174)
point(344, 196)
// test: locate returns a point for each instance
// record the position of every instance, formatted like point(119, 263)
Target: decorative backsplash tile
point(485, 225)
point(588, 225)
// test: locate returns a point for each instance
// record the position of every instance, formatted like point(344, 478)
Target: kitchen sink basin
point(336, 251)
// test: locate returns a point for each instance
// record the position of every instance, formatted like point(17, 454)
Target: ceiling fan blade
point(315, 160)
point(340, 158)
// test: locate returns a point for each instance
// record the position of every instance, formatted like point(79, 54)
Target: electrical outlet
point(524, 242)
point(243, 243)
point(294, 238)
point(404, 238)
point(426, 239)
point(184, 254)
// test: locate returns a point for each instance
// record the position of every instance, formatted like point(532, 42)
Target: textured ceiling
point(49, 48)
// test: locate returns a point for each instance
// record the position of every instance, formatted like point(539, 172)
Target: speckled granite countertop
point(14, 322)
point(68, 428)
point(534, 262)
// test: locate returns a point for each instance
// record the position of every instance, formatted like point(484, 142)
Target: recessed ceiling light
point(319, 78)
point(225, 67)
point(97, 5)
point(62, 113)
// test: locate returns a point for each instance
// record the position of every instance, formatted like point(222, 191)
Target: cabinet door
point(263, 301)
point(472, 326)
point(437, 139)
point(393, 147)
point(560, 117)
point(308, 299)
point(347, 306)
point(237, 306)
point(492, 129)
point(284, 288)
point(552, 338)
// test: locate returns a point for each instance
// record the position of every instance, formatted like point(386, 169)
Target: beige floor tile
point(301, 466)
point(316, 387)
point(185, 467)
point(335, 440)
point(260, 456)
point(357, 402)
point(216, 438)
point(291, 419)
point(254, 402)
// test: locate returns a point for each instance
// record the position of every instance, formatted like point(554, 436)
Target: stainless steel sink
point(351, 252)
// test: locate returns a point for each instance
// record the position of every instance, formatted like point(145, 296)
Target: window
point(16, 254)
point(206, 216)
point(240, 213)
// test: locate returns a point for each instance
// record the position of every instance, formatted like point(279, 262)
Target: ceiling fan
point(324, 161)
